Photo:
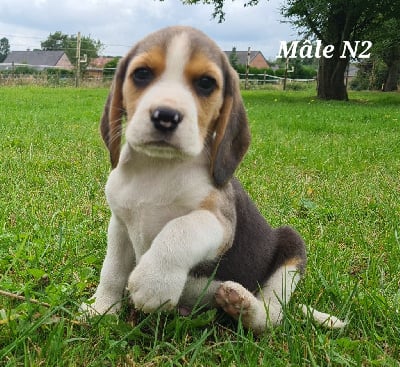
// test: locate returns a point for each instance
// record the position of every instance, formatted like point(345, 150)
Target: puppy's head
point(179, 96)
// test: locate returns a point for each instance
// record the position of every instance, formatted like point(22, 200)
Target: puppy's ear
point(232, 135)
point(113, 114)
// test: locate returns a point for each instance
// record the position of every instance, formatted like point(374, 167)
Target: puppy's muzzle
point(166, 119)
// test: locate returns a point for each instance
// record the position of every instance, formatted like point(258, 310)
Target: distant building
point(95, 68)
point(99, 62)
point(257, 59)
point(38, 60)
point(351, 72)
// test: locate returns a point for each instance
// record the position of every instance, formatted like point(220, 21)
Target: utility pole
point(286, 73)
point(78, 60)
point(247, 69)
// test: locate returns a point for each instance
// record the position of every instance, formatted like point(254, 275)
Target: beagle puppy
point(183, 231)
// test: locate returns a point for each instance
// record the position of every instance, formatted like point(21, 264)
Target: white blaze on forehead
point(178, 54)
point(170, 90)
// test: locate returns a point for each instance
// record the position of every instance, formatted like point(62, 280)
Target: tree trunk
point(331, 74)
point(392, 77)
point(391, 58)
point(332, 69)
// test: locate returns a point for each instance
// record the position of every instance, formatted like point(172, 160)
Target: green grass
point(330, 169)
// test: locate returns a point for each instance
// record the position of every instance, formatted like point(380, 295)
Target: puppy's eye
point(205, 85)
point(142, 76)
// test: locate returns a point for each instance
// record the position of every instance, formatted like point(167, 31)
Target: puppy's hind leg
point(238, 302)
point(265, 309)
point(278, 290)
point(324, 319)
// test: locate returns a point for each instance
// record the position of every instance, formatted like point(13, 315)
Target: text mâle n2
point(357, 49)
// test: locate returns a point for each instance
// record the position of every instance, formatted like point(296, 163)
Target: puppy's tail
point(323, 319)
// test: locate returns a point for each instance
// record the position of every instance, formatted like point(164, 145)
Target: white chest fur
point(146, 193)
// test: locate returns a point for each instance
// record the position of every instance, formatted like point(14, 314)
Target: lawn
point(330, 169)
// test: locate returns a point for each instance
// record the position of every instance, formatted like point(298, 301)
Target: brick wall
point(65, 63)
point(259, 62)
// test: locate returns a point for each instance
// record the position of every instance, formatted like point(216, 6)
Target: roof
point(99, 62)
point(37, 58)
point(242, 56)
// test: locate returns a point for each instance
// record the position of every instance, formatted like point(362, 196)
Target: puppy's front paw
point(99, 307)
point(151, 287)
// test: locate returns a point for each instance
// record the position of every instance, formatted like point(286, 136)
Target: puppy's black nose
point(166, 119)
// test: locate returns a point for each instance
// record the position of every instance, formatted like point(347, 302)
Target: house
point(256, 60)
point(99, 62)
point(38, 60)
point(96, 67)
point(351, 72)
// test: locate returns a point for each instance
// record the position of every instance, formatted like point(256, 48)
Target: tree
point(386, 38)
point(233, 58)
point(4, 48)
point(332, 22)
point(371, 74)
point(59, 41)
point(218, 6)
point(55, 42)
point(110, 68)
point(391, 57)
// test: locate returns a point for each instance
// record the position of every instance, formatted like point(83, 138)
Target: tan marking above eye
point(208, 104)
point(153, 59)
point(200, 66)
